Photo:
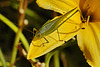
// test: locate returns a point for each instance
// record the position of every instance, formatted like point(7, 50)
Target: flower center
point(87, 12)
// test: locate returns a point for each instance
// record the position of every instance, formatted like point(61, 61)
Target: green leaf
point(2, 59)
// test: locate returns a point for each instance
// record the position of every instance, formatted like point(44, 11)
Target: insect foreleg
point(34, 31)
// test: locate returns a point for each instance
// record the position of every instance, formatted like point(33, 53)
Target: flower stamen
point(88, 20)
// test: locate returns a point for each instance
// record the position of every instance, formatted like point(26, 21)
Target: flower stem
point(22, 7)
point(56, 59)
point(48, 57)
point(14, 53)
point(15, 29)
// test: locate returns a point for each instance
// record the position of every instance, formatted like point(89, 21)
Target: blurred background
point(36, 17)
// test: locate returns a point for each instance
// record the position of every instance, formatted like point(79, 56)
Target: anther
point(88, 6)
point(88, 19)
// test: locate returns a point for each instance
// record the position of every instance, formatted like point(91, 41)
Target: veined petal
point(65, 32)
point(96, 14)
point(35, 51)
point(76, 1)
point(89, 43)
point(61, 6)
point(70, 27)
point(92, 4)
point(54, 42)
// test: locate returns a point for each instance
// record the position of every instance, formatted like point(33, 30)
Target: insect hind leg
point(59, 36)
point(45, 42)
point(68, 32)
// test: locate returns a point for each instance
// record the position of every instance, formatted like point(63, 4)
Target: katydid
point(52, 25)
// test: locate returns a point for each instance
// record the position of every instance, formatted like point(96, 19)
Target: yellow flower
point(87, 23)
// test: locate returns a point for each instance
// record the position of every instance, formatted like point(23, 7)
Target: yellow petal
point(89, 43)
point(96, 14)
point(69, 28)
point(35, 51)
point(54, 42)
point(61, 6)
point(92, 4)
point(76, 1)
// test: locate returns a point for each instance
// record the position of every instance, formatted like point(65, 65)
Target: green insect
point(52, 25)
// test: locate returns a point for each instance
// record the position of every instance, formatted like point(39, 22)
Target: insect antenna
point(28, 30)
point(34, 30)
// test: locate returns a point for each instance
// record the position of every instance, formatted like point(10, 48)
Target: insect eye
point(39, 35)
